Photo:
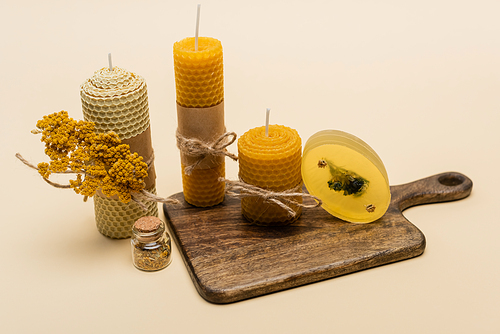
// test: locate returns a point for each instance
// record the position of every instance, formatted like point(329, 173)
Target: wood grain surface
point(230, 259)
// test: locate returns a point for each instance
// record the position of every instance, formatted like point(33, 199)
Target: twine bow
point(197, 148)
point(282, 198)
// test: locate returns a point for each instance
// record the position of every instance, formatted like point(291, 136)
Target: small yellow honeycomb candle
point(271, 162)
point(199, 83)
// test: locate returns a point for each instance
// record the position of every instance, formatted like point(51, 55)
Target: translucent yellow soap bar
point(347, 175)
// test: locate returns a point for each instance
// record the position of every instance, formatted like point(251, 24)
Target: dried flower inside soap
point(343, 180)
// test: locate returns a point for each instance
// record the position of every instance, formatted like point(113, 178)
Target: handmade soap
point(199, 82)
point(347, 175)
point(270, 162)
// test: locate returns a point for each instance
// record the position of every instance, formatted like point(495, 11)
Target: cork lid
point(147, 224)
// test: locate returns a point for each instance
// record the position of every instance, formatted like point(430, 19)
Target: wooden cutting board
point(230, 260)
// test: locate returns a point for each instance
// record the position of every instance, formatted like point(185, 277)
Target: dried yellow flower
point(99, 160)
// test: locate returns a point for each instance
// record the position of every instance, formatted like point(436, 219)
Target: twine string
point(52, 183)
point(201, 150)
point(143, 195)
point(284, 199)
point(137, 197)
point(151, 159)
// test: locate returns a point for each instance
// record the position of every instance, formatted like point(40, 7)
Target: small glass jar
point(151, 246)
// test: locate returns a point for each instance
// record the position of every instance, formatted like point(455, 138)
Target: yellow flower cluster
point(62, 135)
point(99, 160)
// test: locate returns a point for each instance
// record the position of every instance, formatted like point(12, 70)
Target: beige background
point(418, 80)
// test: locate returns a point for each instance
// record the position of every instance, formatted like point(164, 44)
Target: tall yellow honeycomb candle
point(271, 162)
point(199, 81)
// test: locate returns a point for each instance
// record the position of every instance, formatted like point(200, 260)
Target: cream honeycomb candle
point(117, 100)
point(199, 82)
point(271, 162)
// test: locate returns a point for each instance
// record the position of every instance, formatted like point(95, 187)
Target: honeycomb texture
point(115, 219)
point(199, 81)
point(199, 77)
point(202, 188)
point(272, 163)
point(116, 101)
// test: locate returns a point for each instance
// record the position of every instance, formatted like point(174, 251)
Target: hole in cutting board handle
point(451, 180)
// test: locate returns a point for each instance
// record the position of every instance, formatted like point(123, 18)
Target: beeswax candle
point(199, 82)
point(117, 100)
point(270, 162)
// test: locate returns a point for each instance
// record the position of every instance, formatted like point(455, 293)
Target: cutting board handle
point(444, 187)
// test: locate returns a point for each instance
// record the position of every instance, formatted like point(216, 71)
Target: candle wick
point(268, 111)
point(109, 62)
point(197, 28)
